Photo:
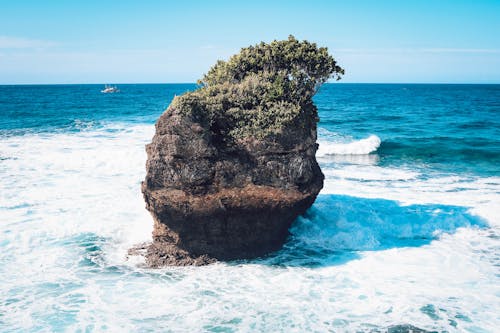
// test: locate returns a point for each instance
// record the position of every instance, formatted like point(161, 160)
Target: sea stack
point(232, 164)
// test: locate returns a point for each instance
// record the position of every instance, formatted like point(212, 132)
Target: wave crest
point(358, 147)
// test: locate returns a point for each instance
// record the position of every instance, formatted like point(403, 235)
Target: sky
point(148, 41)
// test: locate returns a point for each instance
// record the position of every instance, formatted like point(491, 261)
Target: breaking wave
point(358, 147)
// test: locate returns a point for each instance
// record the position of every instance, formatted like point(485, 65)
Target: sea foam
point(381, 245)
point(358, 147)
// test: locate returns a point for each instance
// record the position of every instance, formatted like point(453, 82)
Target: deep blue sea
point(405, 231)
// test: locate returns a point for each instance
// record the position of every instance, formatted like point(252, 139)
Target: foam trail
point(359, 147)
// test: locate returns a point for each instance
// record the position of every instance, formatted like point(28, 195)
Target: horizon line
point(194, 83)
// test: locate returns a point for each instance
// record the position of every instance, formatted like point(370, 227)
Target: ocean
point(405, 231)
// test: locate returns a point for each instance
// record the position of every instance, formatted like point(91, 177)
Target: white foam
point(358, 147)
point(75, 183)
point(70, 206)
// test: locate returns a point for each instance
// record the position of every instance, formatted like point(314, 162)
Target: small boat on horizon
point(108, 89)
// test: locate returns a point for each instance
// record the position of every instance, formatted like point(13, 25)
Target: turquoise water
point(405, 231)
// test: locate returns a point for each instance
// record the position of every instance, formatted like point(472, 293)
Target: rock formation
point(232, 164)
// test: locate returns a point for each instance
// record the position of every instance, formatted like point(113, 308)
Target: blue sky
point(161, 41)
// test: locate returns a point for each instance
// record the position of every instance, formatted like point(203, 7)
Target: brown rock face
point(218, 199)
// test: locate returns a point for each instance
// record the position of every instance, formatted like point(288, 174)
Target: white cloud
point(7, 42)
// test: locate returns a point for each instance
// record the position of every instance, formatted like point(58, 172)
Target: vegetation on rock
point(261, 90)
point(233, 163)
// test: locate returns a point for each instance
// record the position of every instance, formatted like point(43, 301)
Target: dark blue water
point(442, 127)
point(449, 127)
point(45, 108)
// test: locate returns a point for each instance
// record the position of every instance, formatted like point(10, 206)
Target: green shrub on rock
point(261, 90)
